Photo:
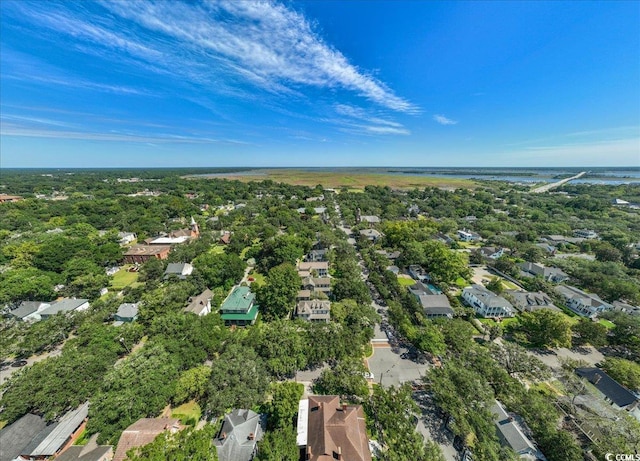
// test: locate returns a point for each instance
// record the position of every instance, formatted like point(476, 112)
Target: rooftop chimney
point(308, 453)
point(597, 378)
point(344, 407)
point(223, 436)
point(251, 436)
point(340, 453)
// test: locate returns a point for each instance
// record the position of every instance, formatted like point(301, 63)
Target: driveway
point(481, 274)
point(587, 354)
point(432, 426)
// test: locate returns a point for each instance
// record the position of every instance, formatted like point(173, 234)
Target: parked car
point(19, 363)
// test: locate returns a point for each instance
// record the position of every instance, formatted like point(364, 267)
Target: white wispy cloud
point(18, 130)
point(217, 43)
point(623, 151)
point(442, 120)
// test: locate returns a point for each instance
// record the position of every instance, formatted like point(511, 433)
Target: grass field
point(258, 278)
point(505, 322)
point(509, 285)
point(187, 412)
point(406, 282)
point(123, 278)
point(352, 181)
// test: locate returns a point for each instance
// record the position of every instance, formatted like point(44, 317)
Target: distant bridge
point(548, 187)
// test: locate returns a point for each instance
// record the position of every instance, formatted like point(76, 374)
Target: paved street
point(389, 369)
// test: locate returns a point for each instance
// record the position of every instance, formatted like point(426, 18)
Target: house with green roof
point(239, 307)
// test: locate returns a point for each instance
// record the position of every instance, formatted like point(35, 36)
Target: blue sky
point(319, 83)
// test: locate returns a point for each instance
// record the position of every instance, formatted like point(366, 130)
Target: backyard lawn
point(123, 278)
point(406, 281)
point(188, 413)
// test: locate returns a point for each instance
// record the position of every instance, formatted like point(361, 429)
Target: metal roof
point(61, 433)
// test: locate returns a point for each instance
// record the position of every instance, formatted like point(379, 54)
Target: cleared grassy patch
point(188, 413)
point(607, 323)
point(406, 282)
point(216, 249)
point(123, 278)
point(461, 283)
point(258, 278)
point(356, 181)
point(504, 323)
point(509, 285)
point(2, 424)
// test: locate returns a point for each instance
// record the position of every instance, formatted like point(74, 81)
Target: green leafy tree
point(279, 445)
point(545, 328)
point(25, 285)
point(220, 269)
point(192, 384)
point(277, 296)
point(238, 380)
point(587, 331)
point(188, 444)
point(624, 371)
point(346, 378)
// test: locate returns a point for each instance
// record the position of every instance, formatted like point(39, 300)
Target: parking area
point(390, 369)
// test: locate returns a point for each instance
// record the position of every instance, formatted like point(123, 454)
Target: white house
point(582, 303)
point(511, 434)
point(467, 236)
point(487, 303)
point(201, 304)
point(64, 305)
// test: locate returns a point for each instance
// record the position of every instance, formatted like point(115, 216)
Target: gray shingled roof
point(127, 310)
point(25, 308)
point(237, 428)
point(611, 388)
point(19, 435)
point(509, 431)
point(64, 305)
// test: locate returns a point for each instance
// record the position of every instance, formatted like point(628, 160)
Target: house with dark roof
point(332, 431)
point(614, 392)
point(487, 303)
point(57, 437)
point(511, 434)
point(142, 433)
point(316, 255)
point(239, 307)
point(28, 430)
point(127, 312)
point(491, 252)
point(238, 437)
point(64, 305)
point(201, 304)
point(180, 270)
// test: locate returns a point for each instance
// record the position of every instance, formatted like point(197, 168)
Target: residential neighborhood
point(334, 334)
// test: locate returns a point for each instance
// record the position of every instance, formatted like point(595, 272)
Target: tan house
point(143, 432)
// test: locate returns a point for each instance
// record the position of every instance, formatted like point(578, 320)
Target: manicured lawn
point(406, 282)
point(123, 278)
point(607, 323)
point(461, 283)
point(258, 278)
point(187, 411)
point(509, 285)
point(503, 324)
